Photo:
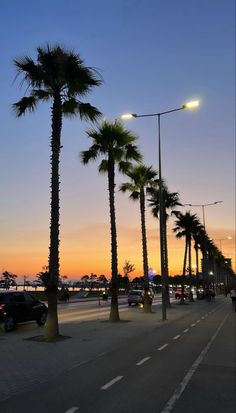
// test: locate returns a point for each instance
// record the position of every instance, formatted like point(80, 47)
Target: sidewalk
point(25, 362)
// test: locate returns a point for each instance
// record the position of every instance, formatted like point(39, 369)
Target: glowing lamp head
point(191, 105)
point(128, 116)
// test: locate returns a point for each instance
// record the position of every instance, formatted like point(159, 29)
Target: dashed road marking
point(202, 318)
point(176, 337)
point(179, 390)
point(193, 325)
point(72, 410)
point(186, 330)
point(162, 347)
point(142, 361)
point(110, 383)
point(198, 321)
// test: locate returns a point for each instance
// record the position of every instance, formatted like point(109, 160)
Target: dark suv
point(18, 307)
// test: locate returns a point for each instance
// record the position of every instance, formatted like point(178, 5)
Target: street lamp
point(205, 262)
point(163, 255)
point(220, 241)
point(203, 209)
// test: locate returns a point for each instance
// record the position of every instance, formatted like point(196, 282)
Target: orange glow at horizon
point(86, 254)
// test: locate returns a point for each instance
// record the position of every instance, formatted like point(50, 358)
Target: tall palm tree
point(115, 145)
point(142, 178)
point(185, 227)
point(58, 76)
point(170, 201)
point(199, 237)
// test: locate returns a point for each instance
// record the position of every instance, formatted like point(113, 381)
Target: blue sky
point(153, 56)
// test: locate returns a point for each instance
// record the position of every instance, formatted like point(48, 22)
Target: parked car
point(178, 294)
point(137, 297)
point(18, 307)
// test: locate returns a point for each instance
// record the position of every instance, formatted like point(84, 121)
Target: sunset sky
point(154, 55)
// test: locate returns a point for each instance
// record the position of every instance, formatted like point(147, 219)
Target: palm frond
point(127, 186)
point(89, 155)
point(89, 112)
point(25, 104)
point(103, 167)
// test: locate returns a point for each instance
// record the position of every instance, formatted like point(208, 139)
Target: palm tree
point(170, 201)
point(186, 225)
point(142, 179)
point(199, 237)
point(58, 76)
point(115, 145)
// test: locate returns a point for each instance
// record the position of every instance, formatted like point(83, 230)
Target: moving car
point(178, 294)
point(18, 307)
point(137, 297)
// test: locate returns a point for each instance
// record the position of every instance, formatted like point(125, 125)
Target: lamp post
point(220, 241)
point(203, 209)
point(205, 263)
point(163, 255)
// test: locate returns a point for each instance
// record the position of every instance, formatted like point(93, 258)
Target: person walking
point(233, 297)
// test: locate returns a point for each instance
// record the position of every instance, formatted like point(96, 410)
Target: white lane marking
point(202, 318)
point(110, 383)
point(179, 390)
point(72, 410)
point(193, 325)
point(142, 361)
point(186, 330)
point(198, 321)
point(176, 337)
point(162, 347)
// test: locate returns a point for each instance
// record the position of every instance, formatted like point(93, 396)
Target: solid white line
point(193, 325)
point(142, 361)
point(72, 410)
point(110, 383)
point(179, 390)
point(176, 337)
point(162, 347)
point(187, 329)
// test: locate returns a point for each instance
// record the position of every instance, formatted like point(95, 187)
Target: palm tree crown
point(57, 73)
point(115, 145)
point(59, 76)
point(186, 225)
point(143, 179)
point(170, 200)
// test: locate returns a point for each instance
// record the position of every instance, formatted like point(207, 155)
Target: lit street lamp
point(220, 241)
point(203, 209)
point(205, 262)
point(163, 255)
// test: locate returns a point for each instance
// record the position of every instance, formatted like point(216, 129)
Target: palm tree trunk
point(190, 268)
point(147, 301)
point(184, 271)
point(52, 330)
point(166, 262)
point(197, 267)
point(190, 257)
point(114, 310)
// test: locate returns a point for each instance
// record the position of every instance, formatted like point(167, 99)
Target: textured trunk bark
point(114, 310)
point(52, 330)
point(166, 261)
point(147, 301)
point(197, 267)
point(184, 271)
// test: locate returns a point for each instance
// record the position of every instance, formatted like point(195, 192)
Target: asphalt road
point(186, 366)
